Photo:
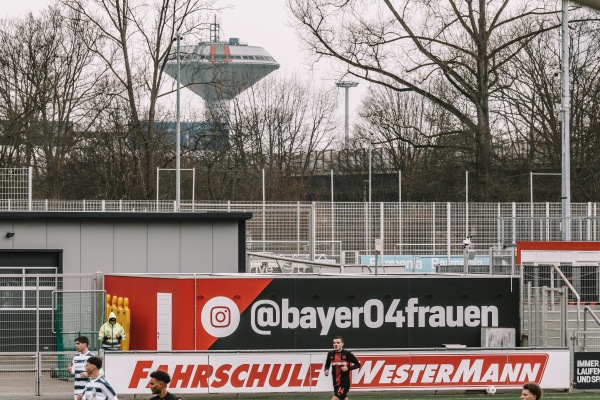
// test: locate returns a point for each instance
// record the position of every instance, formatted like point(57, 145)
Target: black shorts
point(341, 392)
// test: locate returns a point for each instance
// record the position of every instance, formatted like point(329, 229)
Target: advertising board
point(420, 264)
point(369, 313)
point(303, 371)
point(587, 370)
point(300, 313)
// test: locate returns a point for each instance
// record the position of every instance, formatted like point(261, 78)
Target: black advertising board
point(587, 370)
point(371, 312)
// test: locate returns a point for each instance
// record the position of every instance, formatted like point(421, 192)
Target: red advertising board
point(303, 371)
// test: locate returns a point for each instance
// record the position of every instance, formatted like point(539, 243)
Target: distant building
point(205, 136)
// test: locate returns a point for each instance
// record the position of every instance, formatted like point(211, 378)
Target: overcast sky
point(264, 23)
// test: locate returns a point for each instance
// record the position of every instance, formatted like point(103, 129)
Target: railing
point(404, 228)
point(587, 310)
point(572, 289)
point(35, 374)
point(256, 264)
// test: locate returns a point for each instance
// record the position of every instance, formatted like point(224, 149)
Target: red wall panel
point(142, 292)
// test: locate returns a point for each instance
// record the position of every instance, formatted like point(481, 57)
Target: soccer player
point(77, 366)
point(342, 362)
point(97, 388)
point(531, 391)
point(159, 380)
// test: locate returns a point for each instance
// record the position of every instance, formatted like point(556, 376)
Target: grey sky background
point(264, 23)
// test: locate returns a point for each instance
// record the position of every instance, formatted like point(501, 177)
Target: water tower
point(218, 71)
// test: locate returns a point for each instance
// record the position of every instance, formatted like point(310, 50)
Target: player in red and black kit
point(342, 362)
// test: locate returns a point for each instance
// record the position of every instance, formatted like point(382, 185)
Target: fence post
point(544, 316)
point(381, 234)
point(38, 374)
point(564, 313)
point(30, 189)
point(448, 233)
point(37, 314)
point(312, 232)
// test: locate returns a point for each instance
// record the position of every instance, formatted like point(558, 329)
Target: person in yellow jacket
point(111, 334)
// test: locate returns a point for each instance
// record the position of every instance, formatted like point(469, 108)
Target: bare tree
point(450, 52)
point(138, 40)
point(274, 125)
point(411, 134)
point(48, 82)
point(531, 107)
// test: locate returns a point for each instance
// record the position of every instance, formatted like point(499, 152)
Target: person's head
point(93, 365)
point(338, 343)
point(531, 391)
point(112, 318)
point(82, 343)
point(159, 380)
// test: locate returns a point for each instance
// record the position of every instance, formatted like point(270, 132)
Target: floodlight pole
point(178, 133)
point(346, 85)
point(370, 162)
point(566, 146)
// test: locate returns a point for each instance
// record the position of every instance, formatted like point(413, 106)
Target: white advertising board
point(129, 373)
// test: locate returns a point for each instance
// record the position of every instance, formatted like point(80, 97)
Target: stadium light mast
point(178, 133)
point(346, 85)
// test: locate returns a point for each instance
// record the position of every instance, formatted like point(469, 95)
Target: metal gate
point(545, 317)
point(46, 312)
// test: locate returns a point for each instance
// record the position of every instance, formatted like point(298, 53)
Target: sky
point(264, 23)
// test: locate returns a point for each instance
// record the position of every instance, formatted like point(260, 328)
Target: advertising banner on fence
point(369, 313)
point(419, 264)
point(303, 372)
point(587, 370)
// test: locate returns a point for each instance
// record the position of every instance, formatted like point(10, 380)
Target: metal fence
point(16, 184)
point(35, 374)
point(46, 312)
point(559, 304)
point(334, 230)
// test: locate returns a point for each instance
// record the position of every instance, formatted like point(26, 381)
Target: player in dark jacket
point(159, 381)
point(342, 362)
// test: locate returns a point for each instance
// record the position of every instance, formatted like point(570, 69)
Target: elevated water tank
point(219, 71)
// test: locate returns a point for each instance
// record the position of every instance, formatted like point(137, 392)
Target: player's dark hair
point(534, 389)
point(161, 376)
point(339, 337)
point(83, 339)
point(97, 361)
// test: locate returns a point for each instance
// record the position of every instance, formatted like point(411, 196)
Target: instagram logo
point(220, 316)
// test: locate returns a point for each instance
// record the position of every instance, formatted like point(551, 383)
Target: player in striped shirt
point(77, 366)
point(97, 388)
